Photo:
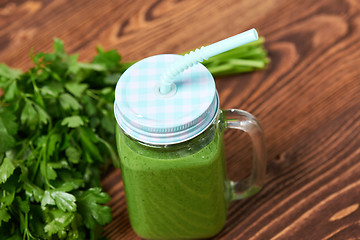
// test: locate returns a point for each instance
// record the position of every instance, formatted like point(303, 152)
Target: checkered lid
point(148, 116)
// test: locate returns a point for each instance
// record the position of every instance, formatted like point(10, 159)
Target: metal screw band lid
point(148, 116)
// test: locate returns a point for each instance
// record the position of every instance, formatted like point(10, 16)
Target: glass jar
point(180, 191)
point(174, 177)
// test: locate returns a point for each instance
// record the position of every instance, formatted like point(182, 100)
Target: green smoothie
point(175, 193)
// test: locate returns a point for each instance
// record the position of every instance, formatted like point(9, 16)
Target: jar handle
point(246, 122)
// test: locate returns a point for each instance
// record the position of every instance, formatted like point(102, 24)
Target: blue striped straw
point(204, 53)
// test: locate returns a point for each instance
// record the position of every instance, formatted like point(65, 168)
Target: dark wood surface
point(307, 100)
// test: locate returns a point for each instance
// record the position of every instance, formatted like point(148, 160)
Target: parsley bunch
point(56, 132)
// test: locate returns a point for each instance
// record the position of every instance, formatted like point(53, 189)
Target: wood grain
point(307, 100)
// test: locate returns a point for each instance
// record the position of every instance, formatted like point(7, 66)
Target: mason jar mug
point(171, 151)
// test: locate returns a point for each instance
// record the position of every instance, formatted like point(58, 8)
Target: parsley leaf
point(8, 129)
point(75, 88)
point(6, 169)
point(73, 122)
point(4, 215)
point(90, 208)
point(8, 73)
point(64, 201)
point(59, 222)
point(11, 90)
point(109, 59)
point(73, 155)
point(29, 115)
point(69, 102)
point(47, 199)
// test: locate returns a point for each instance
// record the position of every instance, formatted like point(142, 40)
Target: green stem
point(92, 94)
point(27, 232)
point(113, 155)
point(247, 63)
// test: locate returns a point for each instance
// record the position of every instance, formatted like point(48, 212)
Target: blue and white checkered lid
point(148, 116)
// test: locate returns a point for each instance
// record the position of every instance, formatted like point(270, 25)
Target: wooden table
point(307, 100)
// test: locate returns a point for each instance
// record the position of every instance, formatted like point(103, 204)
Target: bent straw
point(204, 53)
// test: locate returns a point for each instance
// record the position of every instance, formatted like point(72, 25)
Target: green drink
point(178, 191)
point(170, 143)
